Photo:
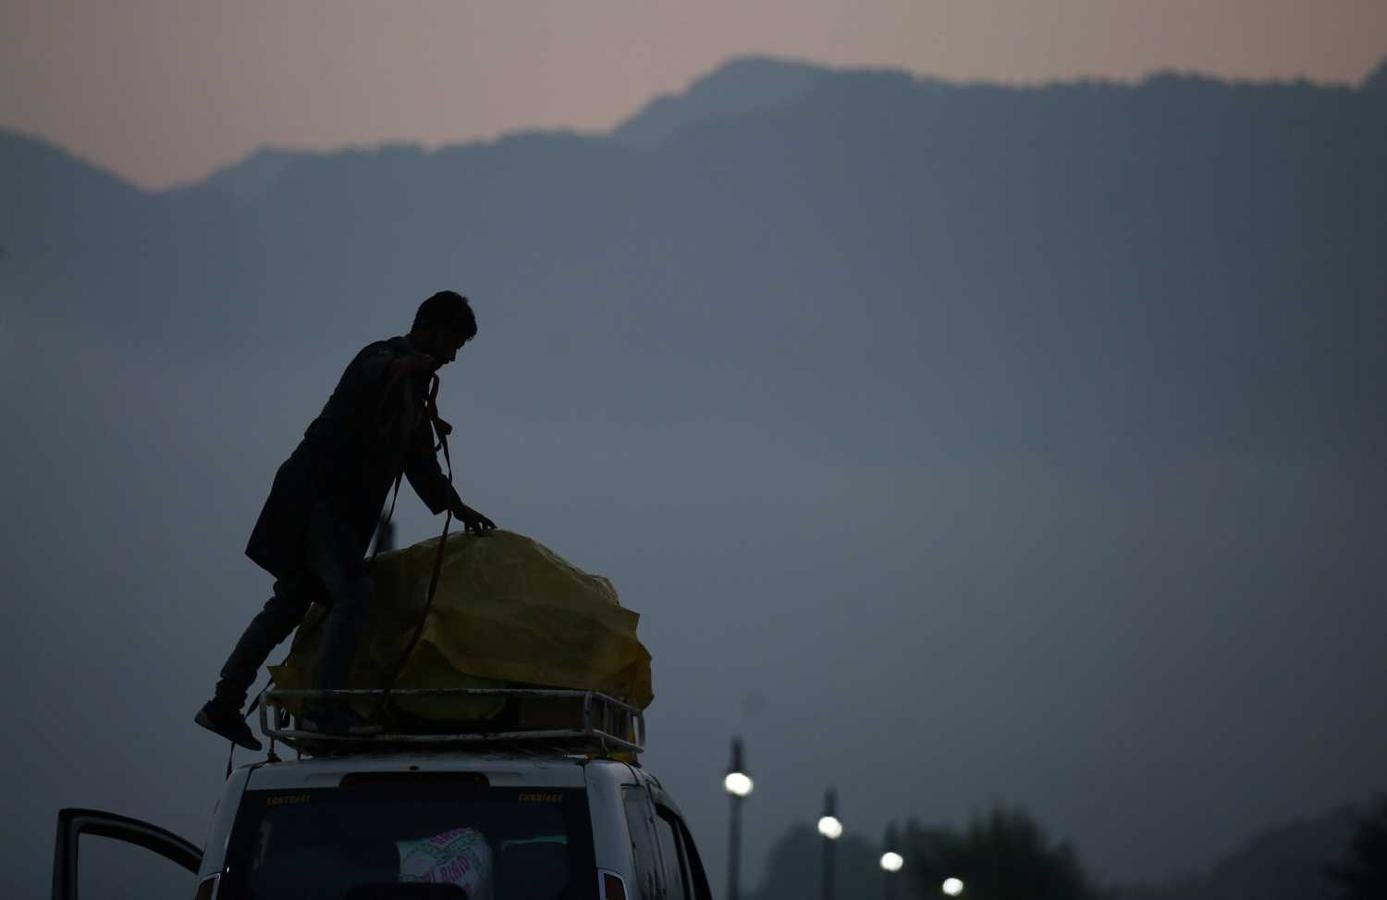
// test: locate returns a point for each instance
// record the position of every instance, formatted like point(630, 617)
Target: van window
point(373, 839)
point(676, 869)
point(642, 827)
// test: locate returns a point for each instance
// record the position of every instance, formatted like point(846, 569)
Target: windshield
point(412, 836)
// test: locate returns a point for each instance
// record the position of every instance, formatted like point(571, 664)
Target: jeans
point(334, 574)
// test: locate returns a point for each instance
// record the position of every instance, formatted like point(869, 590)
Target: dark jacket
point(373, 426)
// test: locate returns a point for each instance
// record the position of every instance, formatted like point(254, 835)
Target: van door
point(673, 864)
point(683, 870)
point(73, 823)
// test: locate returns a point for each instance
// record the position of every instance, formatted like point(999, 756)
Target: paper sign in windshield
point(460, 856)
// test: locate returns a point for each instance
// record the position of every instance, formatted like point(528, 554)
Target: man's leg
point(351, 597)
point(282, 614)
point(334, 557)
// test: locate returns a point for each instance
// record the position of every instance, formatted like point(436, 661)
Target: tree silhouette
point(999, 856)
point(793, 872)
point(1363, 873)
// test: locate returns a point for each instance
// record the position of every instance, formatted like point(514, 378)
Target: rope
point(441, 429)
point(250, 708)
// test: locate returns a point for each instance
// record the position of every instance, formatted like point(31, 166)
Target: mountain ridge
point(31, 160)
point(743, 85)
point(739, 86)
point(1375, 81)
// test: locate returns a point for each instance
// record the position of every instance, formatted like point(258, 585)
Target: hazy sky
point(163, 91)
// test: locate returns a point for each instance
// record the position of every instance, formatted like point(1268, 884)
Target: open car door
point(73, 823)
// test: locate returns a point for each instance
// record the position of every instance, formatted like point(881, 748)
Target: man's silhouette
point(326, 502)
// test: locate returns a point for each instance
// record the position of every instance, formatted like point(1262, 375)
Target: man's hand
point(472, 521)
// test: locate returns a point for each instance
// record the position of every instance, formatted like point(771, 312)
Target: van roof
point(502, 770)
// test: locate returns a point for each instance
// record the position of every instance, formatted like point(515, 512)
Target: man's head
point(442, 325)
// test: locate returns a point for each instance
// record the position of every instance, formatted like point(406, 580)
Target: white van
point(539, 814)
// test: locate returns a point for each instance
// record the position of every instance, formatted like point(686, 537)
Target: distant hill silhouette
point(1376, 80)
point(741, 86)
point(253, 178)
point(51, 195)
point(977, 230)
point(1109, 220)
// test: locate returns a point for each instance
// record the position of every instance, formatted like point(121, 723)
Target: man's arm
point(427, 479)
point(433, 487)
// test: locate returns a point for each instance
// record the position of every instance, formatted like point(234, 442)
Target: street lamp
point(952, 886)
point(738, 785)
point(891, 863)
point(831, 829)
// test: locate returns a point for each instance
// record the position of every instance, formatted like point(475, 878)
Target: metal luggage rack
point(607, 725)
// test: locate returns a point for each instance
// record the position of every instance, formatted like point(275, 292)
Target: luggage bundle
point(507, 612)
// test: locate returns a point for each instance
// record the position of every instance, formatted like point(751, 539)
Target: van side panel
point(610, 837)
point(223, 817)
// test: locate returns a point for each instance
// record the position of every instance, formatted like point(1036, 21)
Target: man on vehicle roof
point(326, 501)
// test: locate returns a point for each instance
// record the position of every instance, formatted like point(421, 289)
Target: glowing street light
point(891, 863)
point(952, 886)
point(738, 785)
point(832, 830)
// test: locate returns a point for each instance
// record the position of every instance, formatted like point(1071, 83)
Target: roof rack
point(552, 720)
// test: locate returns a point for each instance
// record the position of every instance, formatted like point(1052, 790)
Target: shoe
point(221, 718)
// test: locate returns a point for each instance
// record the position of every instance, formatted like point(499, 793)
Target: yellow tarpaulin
point(507, 612)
